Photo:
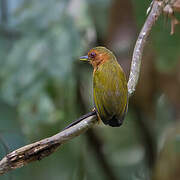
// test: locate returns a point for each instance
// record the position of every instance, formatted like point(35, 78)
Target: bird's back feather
point(110, 92)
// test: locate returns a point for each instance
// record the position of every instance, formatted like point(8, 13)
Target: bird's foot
point(98, 117)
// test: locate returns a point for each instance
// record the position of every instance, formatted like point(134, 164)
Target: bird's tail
point(117, 121)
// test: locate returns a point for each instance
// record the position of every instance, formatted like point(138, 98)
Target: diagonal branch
point(45, 147)
point(156, 11)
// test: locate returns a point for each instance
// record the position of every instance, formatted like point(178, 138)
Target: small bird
point(109, 86)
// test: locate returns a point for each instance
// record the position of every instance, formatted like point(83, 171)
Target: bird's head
point(98, 56)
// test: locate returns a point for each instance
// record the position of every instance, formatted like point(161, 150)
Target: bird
point(110, 92)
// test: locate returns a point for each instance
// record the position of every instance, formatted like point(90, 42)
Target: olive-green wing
point(110, 91)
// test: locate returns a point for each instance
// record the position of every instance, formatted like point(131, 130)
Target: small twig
point(45, 147)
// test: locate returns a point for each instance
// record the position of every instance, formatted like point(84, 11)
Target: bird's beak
point(84, 58)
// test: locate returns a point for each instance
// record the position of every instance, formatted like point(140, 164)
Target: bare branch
point(155, 12)
point(45, 147)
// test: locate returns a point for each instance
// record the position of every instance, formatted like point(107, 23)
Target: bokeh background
point(44, 87)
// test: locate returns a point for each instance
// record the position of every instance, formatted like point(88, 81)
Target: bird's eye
point(92, 55)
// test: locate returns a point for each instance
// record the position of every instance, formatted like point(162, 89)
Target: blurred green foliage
point(39, 48)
